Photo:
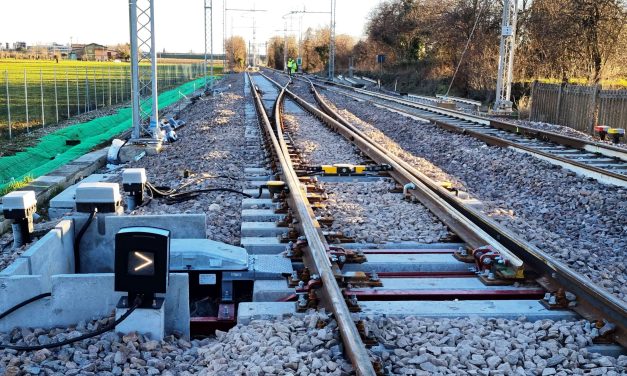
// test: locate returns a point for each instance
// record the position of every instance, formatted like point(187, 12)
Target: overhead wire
point(461, 58)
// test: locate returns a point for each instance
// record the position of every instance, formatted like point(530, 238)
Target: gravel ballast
point(364, 211)
point(369, 212)
point(579, 221)
point(293, 346)
point(212, 148)
point(477, 346)
point(317, 144)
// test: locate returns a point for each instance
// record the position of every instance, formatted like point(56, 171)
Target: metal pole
point(154, 119)
point(211, 72)
point(41, 89)
point(285, 46)
point(506, 57)
point(87, 101)
point(116, 89)
point(132, 4)
point(26, 101)
point(67, 93)
point(224, 35)
point(78, 95)
point(104, 88)
point(207, 7)
point(109, 86)
point(6, 81)
point(93, 72)
point(56, 97)
point(332, 42)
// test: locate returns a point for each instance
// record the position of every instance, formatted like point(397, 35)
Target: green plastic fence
point(52, 151)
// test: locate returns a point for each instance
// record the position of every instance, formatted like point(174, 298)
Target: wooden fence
point(578, 107)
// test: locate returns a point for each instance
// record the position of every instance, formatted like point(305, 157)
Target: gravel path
point(212, 148)
point(368, 212)
point(576, 220)
point(422, 346)
point(287, 347)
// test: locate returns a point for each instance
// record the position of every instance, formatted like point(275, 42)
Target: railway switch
point(134, 182)
point(20, 206)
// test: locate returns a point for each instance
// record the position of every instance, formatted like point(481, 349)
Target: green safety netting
point(52, 151)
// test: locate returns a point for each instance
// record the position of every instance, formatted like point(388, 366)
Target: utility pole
point(503, 104)
point(285, 45)
point(301, 12)
point(209, 37)
point(224, 35)
point(253, 11)
point(332, 43)
point(143, 84)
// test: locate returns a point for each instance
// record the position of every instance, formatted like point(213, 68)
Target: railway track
point(606, 163)
point(516, 276)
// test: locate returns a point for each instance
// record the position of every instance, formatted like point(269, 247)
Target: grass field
point(36, 93)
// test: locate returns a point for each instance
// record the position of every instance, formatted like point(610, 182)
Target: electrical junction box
point(105, 197)
point(142, 259)
point(19, 204)
point(134, 176)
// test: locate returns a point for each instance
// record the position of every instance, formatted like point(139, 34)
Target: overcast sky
point(179, 25)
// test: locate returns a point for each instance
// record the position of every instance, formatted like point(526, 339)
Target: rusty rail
point(594, 303)
point(316, 258)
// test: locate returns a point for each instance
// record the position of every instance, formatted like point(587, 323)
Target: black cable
point(184, 196)
point(117, 156)
point(22, 304)
point(77, 241)
point(136, 303)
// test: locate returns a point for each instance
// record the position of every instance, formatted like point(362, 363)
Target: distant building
point(95, 52)
point(19, 46)
point(77, 51)
point(60, 50)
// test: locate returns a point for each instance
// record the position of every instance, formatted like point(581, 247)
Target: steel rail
point(603, 175)
point(317, 257)
point(593, 301)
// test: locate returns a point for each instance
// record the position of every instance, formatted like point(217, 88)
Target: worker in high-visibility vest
point(294, 66)
point(290, 64)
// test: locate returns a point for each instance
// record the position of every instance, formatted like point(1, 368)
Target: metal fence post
point(41, 88)
point(6, 80)
point(56, 97)
point(109, 86)
point(67, 93)
point(95, 89)
point(116, 89)
point(78, 95)
point(104, 87)
point(86, 92)
point(26, 101)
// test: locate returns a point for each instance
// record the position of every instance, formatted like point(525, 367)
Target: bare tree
point(236, 52)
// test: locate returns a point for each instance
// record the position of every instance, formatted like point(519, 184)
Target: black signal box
point(142, 260)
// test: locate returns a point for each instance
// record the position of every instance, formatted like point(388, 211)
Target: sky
point(179, 23)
